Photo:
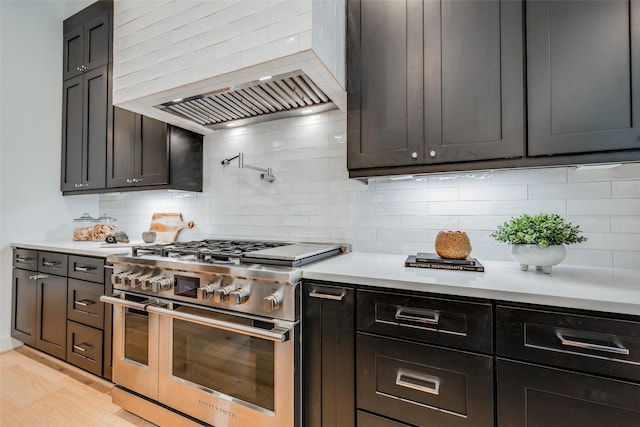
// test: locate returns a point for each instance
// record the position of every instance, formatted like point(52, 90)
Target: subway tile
point(482, 222)
point(626, 259)
point(519, 207)
point(430, 194)
point(404, 208)
point(459, 208)
point(459, 179)
point(626, 189)
point(494, 192)
point(377, 246)
point(588, 257)
point(625, 224)
point(526, 176)
point(353, 233)
point(434, 222)
point(604, 207)
point(590, 190)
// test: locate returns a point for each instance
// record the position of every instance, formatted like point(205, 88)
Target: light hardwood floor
point(39, 390)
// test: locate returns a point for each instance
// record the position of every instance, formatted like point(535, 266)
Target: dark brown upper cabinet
point(442, 85)
point(147, 153)
point(434, 82)
point(87, 40)
point(583, 76)
point(85, 118)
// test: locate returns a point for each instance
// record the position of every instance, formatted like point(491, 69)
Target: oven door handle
point(125, 303)
point(278, 334)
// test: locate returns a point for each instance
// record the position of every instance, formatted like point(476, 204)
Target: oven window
point(229, 363)
point(136, 335)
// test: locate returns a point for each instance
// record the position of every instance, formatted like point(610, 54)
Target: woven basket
point(453, 244)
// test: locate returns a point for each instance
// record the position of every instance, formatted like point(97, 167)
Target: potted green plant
point(538, 239)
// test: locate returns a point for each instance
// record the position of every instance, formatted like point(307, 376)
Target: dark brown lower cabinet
point(531, 395)
point(423, 385)
point(328, 349)
point(84, 347)
point(23, 307)
point(51, 309)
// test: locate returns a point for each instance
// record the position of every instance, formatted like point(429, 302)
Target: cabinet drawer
point(86, 268)
point(52, 263)
point(25, 259)
point(365, 419)
point(465, 325)
point(83, 303)
point(531, 395)
point(424, 385)
point(586, 343)
point(84, 347)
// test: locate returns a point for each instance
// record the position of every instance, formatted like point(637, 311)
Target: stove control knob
point(206, 292)
point(272, 302)
point(222, 294)
point(147, 282)
point(240, 295)
point(116, 278)
point(161, 284)
point(128, 279)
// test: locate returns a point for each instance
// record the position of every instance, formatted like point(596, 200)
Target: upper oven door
point(135, 344)
point(227, 370)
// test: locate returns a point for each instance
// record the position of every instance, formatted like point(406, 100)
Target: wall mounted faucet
point(266, 175)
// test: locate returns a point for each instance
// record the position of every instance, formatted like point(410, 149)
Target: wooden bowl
point(453, 244)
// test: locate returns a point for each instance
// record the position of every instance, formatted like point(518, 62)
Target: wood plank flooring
point(39, 390)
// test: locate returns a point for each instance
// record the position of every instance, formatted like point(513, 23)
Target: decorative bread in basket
point(453, 244)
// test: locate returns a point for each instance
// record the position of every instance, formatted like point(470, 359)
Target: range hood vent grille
point(272, 98)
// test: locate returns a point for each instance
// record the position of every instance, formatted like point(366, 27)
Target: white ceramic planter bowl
point(542, 258)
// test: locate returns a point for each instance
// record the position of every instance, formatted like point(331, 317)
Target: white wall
point(31, 205)
point(313, 199)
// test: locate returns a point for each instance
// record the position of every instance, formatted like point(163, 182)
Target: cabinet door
point(328, 355)
point(583, 76)
point(72, 139)
point(23, 307)
point(73, 51)
point(530, 395)
point(121, 151)
point(152, 150)
point(384, 83)
point(51, 326)
point(96, 108)
point(96, 42)
point(473, 80)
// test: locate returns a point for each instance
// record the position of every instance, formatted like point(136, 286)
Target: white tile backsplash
point(313, 199)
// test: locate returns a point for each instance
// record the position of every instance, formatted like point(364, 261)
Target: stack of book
point(431, 260)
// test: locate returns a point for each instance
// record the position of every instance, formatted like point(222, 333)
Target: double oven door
point(225, 369)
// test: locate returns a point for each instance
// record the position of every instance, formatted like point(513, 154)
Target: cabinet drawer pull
point(83, 347)
point(38, 277)
point(50, 263)
point(430, 317)
point(23, 260)
point(84, 302)
point(417, 381)
point(591, 346)
point(321, 295)
point(80, 268)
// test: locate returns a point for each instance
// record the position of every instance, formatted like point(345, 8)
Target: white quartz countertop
point(96, 249)
point(601, 289)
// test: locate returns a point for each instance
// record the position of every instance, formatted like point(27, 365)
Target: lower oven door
point(227, 370)
point(135, 344)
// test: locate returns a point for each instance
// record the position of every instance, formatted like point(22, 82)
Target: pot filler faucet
point(266, 175)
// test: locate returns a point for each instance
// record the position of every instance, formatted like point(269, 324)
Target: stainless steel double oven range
point(210, 329)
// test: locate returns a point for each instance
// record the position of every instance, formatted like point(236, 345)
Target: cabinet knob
point(414, 155)
point(129, 180)
point(432, 153)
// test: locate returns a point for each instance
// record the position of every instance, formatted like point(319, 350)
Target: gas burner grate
point(209, 250)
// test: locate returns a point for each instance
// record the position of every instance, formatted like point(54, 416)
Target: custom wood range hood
point(204, 66)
